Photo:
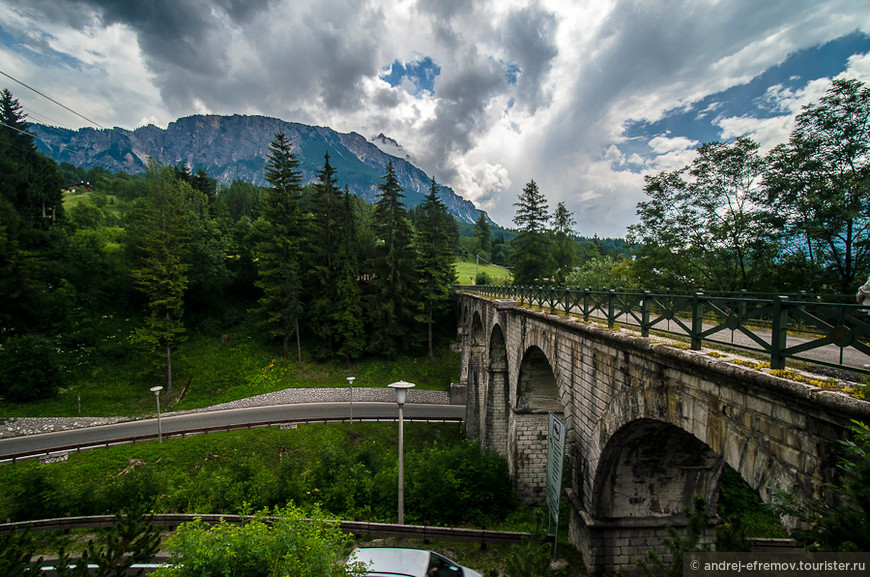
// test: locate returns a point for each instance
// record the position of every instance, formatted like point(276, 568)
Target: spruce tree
point(161, 235)
point(531, 259)
point(324, 258)
point(435, 256)
point(31, 182)
point(482, 242)
point(347, 310)
point(279, 245)
point(564, 246)
point(393, 298)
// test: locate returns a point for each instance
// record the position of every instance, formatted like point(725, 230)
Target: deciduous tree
point(820, 181)
point(705, 225)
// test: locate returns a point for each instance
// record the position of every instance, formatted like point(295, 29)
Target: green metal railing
point(826, 330)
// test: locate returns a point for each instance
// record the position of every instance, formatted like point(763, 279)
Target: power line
point(23, 131)
point(51, 121)
point(50, 98)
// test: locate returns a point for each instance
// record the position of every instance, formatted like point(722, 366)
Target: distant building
point(77, 188)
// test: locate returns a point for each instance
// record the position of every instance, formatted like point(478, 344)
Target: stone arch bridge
point(649, 424)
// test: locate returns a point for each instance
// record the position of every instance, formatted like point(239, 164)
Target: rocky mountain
point(236, 147)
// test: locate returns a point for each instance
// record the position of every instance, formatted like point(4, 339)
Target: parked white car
point(396, 562)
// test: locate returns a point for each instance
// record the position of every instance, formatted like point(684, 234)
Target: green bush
point(287, 545)
point(31, 369)
point(457, 483)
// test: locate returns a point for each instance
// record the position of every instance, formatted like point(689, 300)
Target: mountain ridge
point(235, 147)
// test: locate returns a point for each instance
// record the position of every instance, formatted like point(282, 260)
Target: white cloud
point(666, 144)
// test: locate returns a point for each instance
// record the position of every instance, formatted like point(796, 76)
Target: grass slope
point(464, 270)
point(113, 377)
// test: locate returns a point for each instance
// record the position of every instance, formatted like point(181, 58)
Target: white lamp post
point(156, 391)
point(401, 391)
point(350, 380)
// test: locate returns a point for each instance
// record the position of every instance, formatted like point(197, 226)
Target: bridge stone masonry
point(650, 424)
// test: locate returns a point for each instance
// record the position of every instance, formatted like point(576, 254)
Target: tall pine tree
point(482, 233)
point(347, 310)
point(161, 233)
point(435, 256)
point(31, 182)
point(279, 245)
point(564, 246)
point(393, 295)
point(531, 259)
point(324, 255)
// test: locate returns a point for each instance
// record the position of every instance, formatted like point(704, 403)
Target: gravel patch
point(14, 427)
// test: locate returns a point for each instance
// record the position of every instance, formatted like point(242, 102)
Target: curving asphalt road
point(177, 423)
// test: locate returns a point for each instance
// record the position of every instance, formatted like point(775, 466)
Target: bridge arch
point(650, 468)
point(497, 394)
point(475, 374)
point(536, 394)
point(718, 426)
point(536, 387)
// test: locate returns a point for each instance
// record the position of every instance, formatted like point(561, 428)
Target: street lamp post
point(350, 380)
point(156, 391)
point(401, 388)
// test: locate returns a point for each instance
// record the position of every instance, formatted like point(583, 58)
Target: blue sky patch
point(512, 73)
point(698, 122)
point(421, 74)
point(45, 55)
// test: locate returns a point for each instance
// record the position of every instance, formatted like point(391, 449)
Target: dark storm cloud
point(171, 34)
point(296, 53)
point(462, 100)
point(529, 36)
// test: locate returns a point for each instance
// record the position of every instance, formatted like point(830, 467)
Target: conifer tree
point(202, 182)
point(531, 259)
point(279, 250)
point(31, 182)
point(435, 256)
point(161, 235)
point(347, 310)
point(393, 302)
point(482, 242)
point(565, 249)
point(325, 266)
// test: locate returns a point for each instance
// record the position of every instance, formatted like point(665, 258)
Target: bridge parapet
point(820, 329)
point(650, 424)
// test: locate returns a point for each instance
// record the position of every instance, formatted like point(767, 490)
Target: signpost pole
point(556, 435)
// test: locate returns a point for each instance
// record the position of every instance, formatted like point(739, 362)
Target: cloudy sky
point(583, 96)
